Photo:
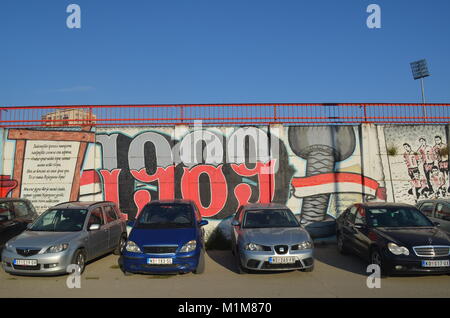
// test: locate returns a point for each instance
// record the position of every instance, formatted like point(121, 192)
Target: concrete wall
point(315, 170)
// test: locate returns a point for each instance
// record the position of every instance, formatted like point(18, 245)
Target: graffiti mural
point(420, 170)
point(218, 170)
point(317, 171)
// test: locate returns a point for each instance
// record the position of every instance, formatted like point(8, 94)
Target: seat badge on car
point(430, 240)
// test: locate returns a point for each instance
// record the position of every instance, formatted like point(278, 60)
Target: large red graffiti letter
point(218, 188)
point(266, 181)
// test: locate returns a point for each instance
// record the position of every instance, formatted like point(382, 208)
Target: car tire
point(307, 270)
point(79, 258)
point(201, 264)
point(377, 259)
point(120, 245)
point(342, 248)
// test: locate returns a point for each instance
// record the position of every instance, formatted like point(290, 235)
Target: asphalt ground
point(334, 276)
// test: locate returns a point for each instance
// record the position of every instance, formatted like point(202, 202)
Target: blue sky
point(221, 51)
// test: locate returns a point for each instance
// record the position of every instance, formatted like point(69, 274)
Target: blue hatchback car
point(166, 237)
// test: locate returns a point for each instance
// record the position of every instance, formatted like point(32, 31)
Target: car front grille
point(281, 249)
point(160, 249)
point(27, 251)
point(30, 268)
point(431, 251)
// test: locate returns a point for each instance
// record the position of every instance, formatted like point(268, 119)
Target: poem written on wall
point(48, 172)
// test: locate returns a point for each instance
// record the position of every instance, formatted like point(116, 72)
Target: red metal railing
point(223, 114)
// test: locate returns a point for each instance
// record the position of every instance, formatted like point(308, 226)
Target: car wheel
point(201, 264)
point(377, 259)
point(120, 245)
point(342, 248)
point(79, 258)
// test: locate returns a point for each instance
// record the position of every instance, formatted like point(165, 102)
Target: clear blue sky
point(221, 51)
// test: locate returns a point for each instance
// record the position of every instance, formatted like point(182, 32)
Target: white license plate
point(282, 260)
point(159, 261)
point(25, 262)
point(440, 263)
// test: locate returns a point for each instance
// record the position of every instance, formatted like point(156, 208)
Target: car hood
point(162, 236)
point(38, 239)
point(415, 236)
point(275, 236)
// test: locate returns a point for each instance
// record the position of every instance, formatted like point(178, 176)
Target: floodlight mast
point(420, 70)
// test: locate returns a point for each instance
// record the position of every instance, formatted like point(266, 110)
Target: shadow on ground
point(328, 254)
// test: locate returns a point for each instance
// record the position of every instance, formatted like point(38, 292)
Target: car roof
point(435, 201)
point(384, 205)
point(13, 199)
point(264, 206)
point(80, 204)
point(174, 201)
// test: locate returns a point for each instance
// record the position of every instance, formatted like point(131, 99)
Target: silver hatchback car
point(269, 237)
point(68, 233)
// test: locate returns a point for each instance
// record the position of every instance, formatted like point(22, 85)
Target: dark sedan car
point(15, 215)
point(397, 237)
point(437, 210)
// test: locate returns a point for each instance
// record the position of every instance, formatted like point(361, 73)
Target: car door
point(97, 239)
point(442, 215)
point(113, 225)
point(200, 229)
point(23, 215)
point(360, 232)
point(348, 230)
point(8, 225)
point(427, 208)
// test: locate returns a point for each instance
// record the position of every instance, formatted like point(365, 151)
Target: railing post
point(274, 112)
point(181, 113)
point(365, 113)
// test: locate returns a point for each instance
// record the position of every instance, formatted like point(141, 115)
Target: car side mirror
point(29, 225)
point(235, 223)
point(437, 224)
point(203, 223)
point(94, 227)
point(130, 223)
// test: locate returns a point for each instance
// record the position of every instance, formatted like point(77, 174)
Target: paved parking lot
point(334, 276)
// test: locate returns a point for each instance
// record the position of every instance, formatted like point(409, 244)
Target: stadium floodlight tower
point(420, 71)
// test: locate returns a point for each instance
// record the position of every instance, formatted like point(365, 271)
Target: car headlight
point(57, 248)
point(9, 247)
point(397, 250)
point(306, 245)
point(132, 247)
point(253, 247)
point(189, 246)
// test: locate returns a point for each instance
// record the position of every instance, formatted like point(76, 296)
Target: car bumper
point(138, 263)
point(48, 264)
point(412, 264)
point(260, 260)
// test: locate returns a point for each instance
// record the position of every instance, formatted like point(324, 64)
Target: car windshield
point(269, 218)
point(397, 217)
point(166, 216)
point(60, 220)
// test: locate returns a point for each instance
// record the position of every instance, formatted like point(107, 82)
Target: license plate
point(159, 261)
point(440, 263)
point(282, 260)
point(25, 262)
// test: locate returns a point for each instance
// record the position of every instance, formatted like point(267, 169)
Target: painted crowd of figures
point(428, 169)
